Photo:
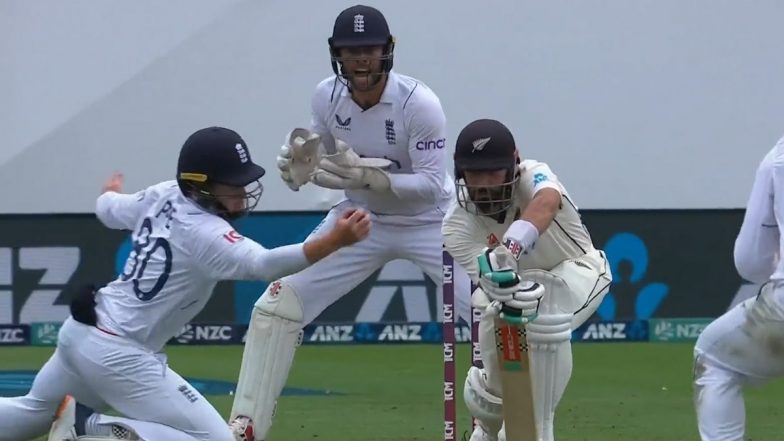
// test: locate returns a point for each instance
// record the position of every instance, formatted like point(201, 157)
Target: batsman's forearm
point(542, 209)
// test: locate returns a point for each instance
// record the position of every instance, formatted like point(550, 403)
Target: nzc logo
point(631, 295)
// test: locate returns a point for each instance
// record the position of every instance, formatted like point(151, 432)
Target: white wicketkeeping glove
point(502, 284)
point(299, 157)
point(346, 170)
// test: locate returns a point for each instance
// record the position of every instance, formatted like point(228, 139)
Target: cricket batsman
point(380, 137)
point(745, 346)
point(504, 201)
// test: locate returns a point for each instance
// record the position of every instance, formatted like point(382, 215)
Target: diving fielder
point(521, 205)
point(109, 352)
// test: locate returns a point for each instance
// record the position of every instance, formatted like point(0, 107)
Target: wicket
point(450, 349)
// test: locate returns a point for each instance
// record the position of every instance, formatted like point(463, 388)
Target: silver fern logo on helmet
point(479, 144)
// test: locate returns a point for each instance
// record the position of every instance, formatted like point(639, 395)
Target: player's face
point(233, 198)
point(488, 190)
point(362, 66)
point(237, 200)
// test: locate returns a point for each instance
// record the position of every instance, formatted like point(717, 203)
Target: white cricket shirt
point(466, 234)
point(180, 252)
point(407, 127)
point(758, 246)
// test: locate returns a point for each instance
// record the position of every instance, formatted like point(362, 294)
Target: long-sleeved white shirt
point(758, 246)
point(407, 127)
point(180, 252)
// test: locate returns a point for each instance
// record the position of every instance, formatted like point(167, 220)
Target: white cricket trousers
point(743, 347)
point(331, 278)
point(103, 371)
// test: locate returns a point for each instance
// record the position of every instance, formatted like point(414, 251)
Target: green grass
point(618, 392)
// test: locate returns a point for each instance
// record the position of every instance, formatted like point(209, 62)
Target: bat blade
point(512, 350)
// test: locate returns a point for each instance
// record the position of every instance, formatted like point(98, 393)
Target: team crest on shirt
point(343, 124)
point(389, 126)
point(233, 236)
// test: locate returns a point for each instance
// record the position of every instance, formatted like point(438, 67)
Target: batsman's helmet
point(217, 155)
point(486, 145)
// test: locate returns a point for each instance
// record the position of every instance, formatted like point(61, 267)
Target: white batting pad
point(483, 405)
point(487, 350)
point(272, 339)
point(549, 341)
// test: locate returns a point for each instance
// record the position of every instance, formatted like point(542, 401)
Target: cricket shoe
point(63, 426)
point(479, 434)
point(70, 421)
point(242, 429)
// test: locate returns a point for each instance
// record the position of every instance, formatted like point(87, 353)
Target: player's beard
point(489, 201)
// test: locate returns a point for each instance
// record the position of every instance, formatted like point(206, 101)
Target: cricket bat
point(511, 342)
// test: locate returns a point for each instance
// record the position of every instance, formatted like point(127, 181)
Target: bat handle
point(515, 316)
point(507, 279)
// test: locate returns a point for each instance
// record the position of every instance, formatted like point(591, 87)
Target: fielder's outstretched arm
point(242, 258)
point(117, 210)
point(226, 255)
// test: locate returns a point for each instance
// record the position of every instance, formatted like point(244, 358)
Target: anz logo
point(631, 294)
point(404, 281)
point(343, 124)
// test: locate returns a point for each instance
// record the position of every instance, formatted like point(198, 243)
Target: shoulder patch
point(233, 236)
point(539, 178)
